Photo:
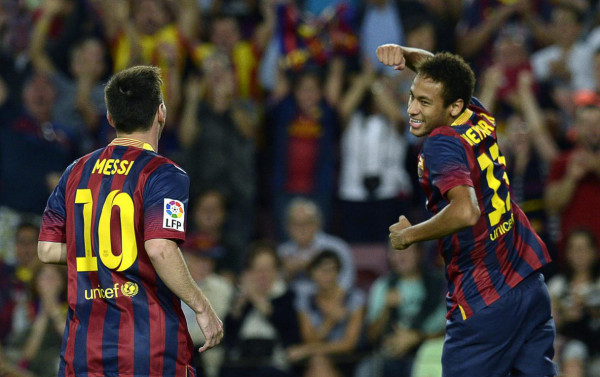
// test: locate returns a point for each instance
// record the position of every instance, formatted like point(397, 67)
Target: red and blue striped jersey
point(122, 319)
point(485, 261)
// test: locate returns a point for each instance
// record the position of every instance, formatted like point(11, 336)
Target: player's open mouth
point(415, 123)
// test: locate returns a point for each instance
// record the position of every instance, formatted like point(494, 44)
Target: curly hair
point(455, 75)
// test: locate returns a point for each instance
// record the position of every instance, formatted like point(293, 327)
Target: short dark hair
point(26, 224)
point(132, 97)
point(323, 256)
point(455, 75)
point(260, 247)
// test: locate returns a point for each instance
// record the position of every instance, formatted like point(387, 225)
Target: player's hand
point(392, 55)
point(398, 234)
point(211, 327)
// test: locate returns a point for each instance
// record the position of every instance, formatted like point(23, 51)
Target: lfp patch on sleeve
point(173, 215)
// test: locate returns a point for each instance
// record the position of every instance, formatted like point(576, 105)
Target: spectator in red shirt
point(574, 181)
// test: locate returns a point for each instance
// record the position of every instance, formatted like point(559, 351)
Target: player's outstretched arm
point(171, 268)
point(461, 212)
point(401, 57)
point(52, 252)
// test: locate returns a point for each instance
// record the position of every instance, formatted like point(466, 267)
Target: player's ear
point(457, 107)
point(162, 113)
point(110, 119)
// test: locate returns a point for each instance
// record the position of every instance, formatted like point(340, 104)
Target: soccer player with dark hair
point(115, 219)
point(499, 320)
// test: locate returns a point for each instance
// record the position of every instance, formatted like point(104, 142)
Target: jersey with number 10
point(122, 319)
point(485, 261)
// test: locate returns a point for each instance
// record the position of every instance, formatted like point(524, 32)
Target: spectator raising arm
point(559, 193)
point(41, 61)
point(542, 140)
point(355, 94)
point(187, 20)
point(116, 20)
point(492, 81)
point(190, 126)
point(368, 80)
point(471, 42)
point(264, 31)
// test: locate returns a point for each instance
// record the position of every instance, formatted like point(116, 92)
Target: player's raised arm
point(401, 57)
point(171, 268)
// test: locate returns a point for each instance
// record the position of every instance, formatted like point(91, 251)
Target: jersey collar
point(129, 142)
point(462, 118)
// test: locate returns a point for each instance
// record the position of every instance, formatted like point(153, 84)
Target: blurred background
point(298, 150)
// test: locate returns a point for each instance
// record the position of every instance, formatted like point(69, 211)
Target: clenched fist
point(398, 234)
point(392, 55)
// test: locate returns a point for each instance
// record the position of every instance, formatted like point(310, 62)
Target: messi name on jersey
point(110, 166)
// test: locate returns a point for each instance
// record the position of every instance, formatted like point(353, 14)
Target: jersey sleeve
point(53, 227)
point(166, 196)
point(447, 163)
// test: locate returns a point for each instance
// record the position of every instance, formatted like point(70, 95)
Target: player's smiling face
point(426, 107)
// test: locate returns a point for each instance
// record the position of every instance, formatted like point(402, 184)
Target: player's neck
point(148, 137)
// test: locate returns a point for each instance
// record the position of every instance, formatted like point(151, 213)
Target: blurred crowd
point(299, 155)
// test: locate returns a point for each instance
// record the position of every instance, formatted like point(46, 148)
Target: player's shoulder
point(81, 161)
point(163, 167)
point(445, 135)
point(163, 163)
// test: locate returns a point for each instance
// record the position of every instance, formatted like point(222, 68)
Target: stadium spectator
point(80, 97)
point(209, 216)
point(481, 21)
point(263, 322)
point(6, 299)
point(202, 261)
point(26, 251)
point(374, 183)
point(303, 136)
point(568, 59)
point(574, 181)
point(500, 86)
point(421, 33)
point(15, 281)
point(39, 346)
point(245, 55)
point(304, 224)
point(381, 23)
point(26, 142)
point(22, 306)
point(330, 321)
point(7, 368)
point(441, 16)
point(404, 309)
point(148, 32)
point(16, 313)
point(575, 301)
point(218, 136)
